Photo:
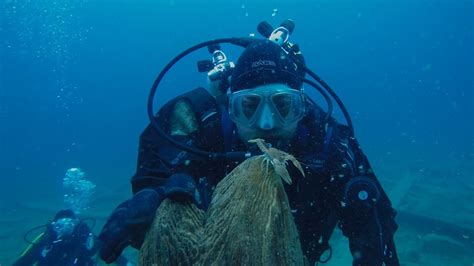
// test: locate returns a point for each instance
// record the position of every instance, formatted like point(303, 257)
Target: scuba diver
point(67, 240)
point(198, 137)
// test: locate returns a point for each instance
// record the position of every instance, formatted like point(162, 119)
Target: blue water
point(75, 76)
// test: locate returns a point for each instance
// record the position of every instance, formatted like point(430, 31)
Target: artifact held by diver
point(249, 220)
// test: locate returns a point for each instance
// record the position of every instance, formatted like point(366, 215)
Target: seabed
point(435, 216)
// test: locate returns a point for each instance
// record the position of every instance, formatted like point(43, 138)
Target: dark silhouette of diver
point(66, 241)
point(195, 139)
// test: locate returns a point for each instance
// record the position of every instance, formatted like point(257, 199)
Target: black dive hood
point(279, 35)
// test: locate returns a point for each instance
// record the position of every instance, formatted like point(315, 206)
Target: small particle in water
point(357, 255)
point(246, 14)
point(426, 68)
point(243, 6)
point(275, 12)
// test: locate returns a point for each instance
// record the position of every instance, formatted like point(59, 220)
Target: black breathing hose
point(238, 155)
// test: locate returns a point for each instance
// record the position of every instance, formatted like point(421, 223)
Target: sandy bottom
point(436, 219)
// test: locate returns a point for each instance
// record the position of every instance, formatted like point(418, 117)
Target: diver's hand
point(180, 187)
point(130, 220)
point(128, 223)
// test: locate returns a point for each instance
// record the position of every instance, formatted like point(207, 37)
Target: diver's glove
point(181, 188)
point(130, 220)
point(128, 223)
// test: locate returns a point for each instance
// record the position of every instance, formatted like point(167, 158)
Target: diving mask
point(64, 227)
point(267, 106)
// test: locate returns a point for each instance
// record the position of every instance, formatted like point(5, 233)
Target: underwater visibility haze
point(75, 77)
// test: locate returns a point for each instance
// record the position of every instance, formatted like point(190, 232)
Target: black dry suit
point(340, 187)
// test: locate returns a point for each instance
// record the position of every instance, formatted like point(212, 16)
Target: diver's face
point(270, 112)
